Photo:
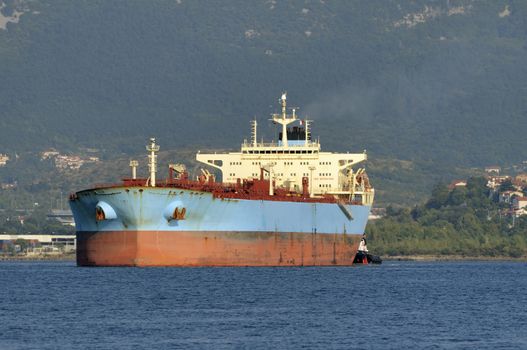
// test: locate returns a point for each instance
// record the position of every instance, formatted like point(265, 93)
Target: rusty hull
point(214, 248)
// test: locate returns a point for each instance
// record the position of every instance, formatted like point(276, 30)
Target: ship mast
point(308, 132)
point(133, 165)
point(152, 160)
point(254, 136)
point(284, 119)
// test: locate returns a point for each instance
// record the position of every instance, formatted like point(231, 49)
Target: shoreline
point(423, 258)
point(430, 258)
point(57, 257)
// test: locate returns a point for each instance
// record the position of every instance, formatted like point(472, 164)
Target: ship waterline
point(215, 248)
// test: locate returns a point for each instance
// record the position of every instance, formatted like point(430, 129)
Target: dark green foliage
point(440, 197)
point(108, 74)
point(34, 221)
point(463, 221)
point(506, 186)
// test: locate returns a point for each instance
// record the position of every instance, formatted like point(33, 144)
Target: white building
point(4, 158)
point(507, 196)
point(519, 203)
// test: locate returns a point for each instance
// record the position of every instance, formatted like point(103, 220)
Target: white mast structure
point(308, 132)
point(254, 135)
point(284, 119)
point(152, 160)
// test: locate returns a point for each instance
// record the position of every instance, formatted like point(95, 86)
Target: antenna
point(284, 105)
point(294, 111)
point(152, 160)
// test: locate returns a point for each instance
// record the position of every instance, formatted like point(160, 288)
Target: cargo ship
point(284, 203)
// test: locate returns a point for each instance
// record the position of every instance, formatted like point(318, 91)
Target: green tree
point(506, 186)
point(439, 196)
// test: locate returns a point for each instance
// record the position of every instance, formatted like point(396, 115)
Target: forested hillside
point(468, 221)
point(429, 88)
point(442, 80)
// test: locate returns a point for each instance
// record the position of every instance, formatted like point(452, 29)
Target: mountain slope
point(441, 80)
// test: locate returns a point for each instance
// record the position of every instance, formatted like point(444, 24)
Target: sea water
point(436, 305)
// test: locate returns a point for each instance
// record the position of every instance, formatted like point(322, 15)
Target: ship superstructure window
point(324, 163)
point(235, 163)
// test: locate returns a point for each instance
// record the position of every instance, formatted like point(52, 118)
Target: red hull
point(194, 248)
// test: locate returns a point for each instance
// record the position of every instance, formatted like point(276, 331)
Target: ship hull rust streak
point(214, 248)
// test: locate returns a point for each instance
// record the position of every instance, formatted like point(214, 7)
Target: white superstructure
point(293, 158)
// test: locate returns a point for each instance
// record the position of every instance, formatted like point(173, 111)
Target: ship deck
point(249, 189)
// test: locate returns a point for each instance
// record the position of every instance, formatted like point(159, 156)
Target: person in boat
point(362, 245)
